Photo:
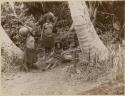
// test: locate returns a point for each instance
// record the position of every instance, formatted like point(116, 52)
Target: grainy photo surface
point(62, 47)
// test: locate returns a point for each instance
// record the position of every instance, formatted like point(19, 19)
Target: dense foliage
point(108, 25)
point(107, 18)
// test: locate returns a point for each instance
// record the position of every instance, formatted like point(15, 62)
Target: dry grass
point(110, 73)
point(92, 71)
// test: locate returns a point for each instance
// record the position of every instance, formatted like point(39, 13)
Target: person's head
point(46, 11)
point(48, 20)
point(29, 34)
point(58, 45)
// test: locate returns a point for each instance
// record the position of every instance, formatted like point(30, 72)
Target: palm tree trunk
point(88, 39)
point(10, 53)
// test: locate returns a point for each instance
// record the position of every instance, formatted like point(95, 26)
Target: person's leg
point(51, 45)
point(30, 65)
point(44, 54)
point(49, 50)
point(25, 65)
point(48, 59)
point(55, 64)
point(49, 63)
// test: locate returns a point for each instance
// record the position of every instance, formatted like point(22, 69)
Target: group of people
point(47, 23)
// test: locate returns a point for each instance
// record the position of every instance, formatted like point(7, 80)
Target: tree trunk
point(10, 53)
point(89, 41)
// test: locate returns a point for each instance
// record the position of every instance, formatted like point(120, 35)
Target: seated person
point(56, 56)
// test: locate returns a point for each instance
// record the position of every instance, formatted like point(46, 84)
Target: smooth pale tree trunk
point(89, 41)
point(10, 53)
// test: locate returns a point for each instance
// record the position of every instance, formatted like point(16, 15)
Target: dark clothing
point(48, 50)
point(58, 51)
point(48, 42)
point(48, 35)
point(29, 56)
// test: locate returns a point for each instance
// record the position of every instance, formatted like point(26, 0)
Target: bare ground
point(57, 82)
point(49, 82)
point(54, 82)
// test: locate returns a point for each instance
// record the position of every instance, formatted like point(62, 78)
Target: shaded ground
point(54, 82)
point(110, 88)
point(57, 82)
point(49, 82)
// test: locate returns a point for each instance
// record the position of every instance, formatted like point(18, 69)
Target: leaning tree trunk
point(10, 53)
point(88, 39)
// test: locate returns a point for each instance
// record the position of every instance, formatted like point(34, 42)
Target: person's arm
point(40, 20)
point(55, 21)
point(53, 18)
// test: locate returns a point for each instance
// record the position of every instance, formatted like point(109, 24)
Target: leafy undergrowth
point(87, 71)
point(110, 74)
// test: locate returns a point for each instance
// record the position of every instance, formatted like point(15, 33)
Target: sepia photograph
point(72, 47)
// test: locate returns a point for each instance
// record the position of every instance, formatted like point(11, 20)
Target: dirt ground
point(58, 82)
point(48, 82)
point(111, 88)
point(54, 82)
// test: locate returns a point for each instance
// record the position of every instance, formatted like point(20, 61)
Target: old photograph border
point(1, 29)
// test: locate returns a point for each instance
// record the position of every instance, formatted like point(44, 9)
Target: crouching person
point(56, 57)
point(29, 53)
